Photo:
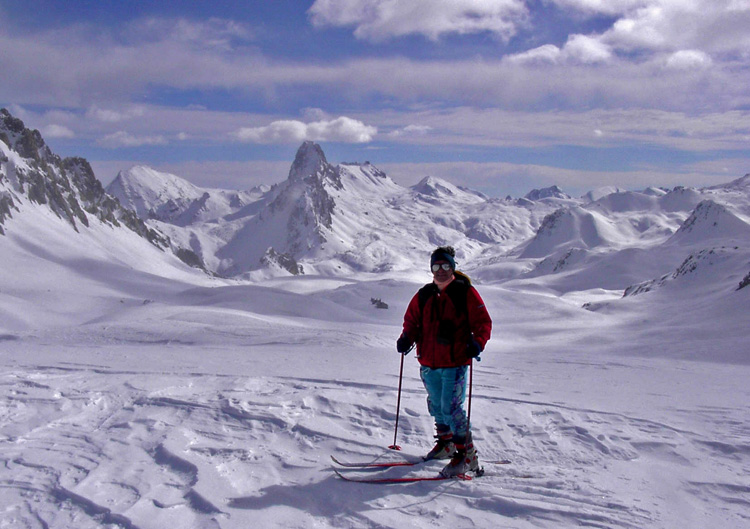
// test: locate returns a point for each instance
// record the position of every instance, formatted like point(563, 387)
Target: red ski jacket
point(442, 328)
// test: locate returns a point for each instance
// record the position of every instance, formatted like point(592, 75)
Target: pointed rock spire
point(310, 160)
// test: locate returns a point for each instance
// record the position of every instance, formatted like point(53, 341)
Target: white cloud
point(688, 60)
point(587, 50)
point(314, 114)
point(108, 115)
point(580, 49)
point(57, 131)
point(605, 7)
point(215, 34)
point(671, 25)
point(125, 139)
point(548, 53)
point(38, 71)
point(342, 129)
point(377, 20)
point(593, 128)
point(411, 130)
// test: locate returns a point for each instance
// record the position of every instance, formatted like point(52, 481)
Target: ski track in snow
point(90, 444)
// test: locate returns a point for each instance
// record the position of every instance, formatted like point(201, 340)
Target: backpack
point(457, 295)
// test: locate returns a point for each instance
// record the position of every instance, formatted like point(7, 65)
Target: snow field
point(220, 407)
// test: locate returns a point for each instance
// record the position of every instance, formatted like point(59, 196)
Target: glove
point(403, 344)
point(473, 349)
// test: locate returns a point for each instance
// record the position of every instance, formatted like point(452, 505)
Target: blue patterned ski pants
point(446, 393)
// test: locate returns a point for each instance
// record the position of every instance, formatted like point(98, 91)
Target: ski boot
point(444, 447)
point(464, 460)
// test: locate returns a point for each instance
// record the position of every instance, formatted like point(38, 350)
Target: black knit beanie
point(445, 254)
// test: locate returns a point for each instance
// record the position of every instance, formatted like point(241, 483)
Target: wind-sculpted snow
point(220, 407)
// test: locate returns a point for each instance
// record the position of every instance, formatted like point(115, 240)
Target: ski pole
point(471, 383)
point(394, 446)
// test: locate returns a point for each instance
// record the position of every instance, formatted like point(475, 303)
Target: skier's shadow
point(333, 497)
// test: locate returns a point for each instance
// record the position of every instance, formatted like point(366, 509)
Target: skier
point(450, 325)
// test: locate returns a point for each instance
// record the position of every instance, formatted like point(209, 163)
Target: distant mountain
point(169, 198)
point(352, 218)
point(324, 218)
point(546, 193)
point(432, 188)
point(741, 184)
point(297, 217)
point(34, 180)
point(569, 228)
point(717, 270)
point(596, 194)
point(711, 222)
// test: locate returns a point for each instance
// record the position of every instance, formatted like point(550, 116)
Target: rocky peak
point(26, 142)
point(305, 196)
point(309, 160)
point(311, 167)
point(547, 192)
point(67, 186)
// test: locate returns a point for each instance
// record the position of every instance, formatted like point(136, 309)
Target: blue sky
point(498, 95)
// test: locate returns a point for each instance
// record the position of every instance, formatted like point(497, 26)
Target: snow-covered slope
point(572, 228)
point(710, 223)
point(137, 392)
point(169, 198)
point(60, 231)
point(167, 404)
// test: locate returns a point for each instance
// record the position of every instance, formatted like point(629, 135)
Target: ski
point(413, 479)
point(376, 464)
point(391, 464)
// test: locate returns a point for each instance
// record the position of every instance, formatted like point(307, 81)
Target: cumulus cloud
point(125, 139)
point(688, 60)
point(548, 53)
point(586, 49)
point(667, 25)
point(580, 49)
point(342, 129)
point(377, 20)
point(57, 131)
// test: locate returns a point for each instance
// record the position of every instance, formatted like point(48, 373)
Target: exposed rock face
point(281, 260)
point(304, 197)
point(67, 186)
point(547, 192)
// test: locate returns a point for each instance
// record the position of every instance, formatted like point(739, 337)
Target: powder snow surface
point(172, 403)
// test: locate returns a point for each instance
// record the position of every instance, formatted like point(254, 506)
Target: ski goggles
point(444, 266)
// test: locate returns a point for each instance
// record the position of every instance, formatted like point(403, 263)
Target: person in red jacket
point(450, 325)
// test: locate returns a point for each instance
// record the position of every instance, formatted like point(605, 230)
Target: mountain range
point(352, 218)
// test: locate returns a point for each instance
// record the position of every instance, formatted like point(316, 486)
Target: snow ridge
point(33, 177)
